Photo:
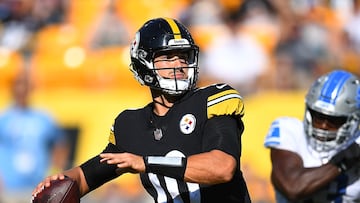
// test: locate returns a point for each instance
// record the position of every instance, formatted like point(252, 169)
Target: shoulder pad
point(224, 100)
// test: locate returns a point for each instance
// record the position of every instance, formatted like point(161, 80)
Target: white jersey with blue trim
point(288, 134)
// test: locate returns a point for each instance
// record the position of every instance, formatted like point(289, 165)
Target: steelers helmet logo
point(135, 45)
point(187, 124)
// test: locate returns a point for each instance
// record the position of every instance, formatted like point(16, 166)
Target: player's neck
point(162, 102)
point(161, 105)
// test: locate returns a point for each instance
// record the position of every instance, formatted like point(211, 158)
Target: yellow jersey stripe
point(212, 99)
point(175, 29)
point(112, 136)
point(225, 103)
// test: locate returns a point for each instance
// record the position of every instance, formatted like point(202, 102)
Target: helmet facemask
point(322, 140)
point(175, 86)
point(160, 36)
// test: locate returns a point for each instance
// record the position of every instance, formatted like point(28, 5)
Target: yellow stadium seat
point(82, 14)
point(57, 38)
point(11, 63)
point(204, 35)
point(137, 12)
point(109, 68)
point(58, 57)
point(56, 70)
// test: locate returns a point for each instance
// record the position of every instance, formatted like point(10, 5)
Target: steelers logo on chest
point(187, 124)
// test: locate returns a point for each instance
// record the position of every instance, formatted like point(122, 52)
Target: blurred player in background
point(31, 144)
point(186, 144)
point(318, 159)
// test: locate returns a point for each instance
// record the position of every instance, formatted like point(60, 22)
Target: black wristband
point(173, 167)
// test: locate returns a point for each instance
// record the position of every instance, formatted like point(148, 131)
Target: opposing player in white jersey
point(318, 159)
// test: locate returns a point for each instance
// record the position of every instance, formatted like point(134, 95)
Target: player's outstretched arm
point(206, 168)
point(212, 167)
point(75, 173)
point(293, 180)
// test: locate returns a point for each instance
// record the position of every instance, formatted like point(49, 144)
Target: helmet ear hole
point(149, 79)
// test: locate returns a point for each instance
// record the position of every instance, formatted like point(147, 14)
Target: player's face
point(326, 122)
point(21, 92)
point(172, 65)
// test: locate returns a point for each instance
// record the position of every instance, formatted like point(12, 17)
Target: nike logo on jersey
point(220, 86)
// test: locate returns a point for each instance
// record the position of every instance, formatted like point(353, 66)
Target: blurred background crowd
point(75, 56)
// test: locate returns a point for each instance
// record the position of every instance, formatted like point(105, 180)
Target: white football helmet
point(336, 97)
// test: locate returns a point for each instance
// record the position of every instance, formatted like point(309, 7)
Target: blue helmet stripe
point(333, 86)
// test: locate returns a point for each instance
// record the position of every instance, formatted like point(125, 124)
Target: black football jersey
point(181, 133)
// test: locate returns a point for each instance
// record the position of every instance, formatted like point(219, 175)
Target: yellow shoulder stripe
point(112, 136)
point(228, 102)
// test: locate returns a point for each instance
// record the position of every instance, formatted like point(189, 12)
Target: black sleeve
point(96, 173)
point(223, 133)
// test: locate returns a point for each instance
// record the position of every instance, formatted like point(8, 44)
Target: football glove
point(347, 158)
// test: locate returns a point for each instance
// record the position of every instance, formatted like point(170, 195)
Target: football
point(60, 191)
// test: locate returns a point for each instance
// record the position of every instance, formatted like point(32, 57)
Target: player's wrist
point(167, 166)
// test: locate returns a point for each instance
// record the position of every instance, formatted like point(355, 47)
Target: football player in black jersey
point(185, 144)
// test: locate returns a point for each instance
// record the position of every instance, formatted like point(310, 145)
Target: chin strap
point(162, 103)
point(164, 97)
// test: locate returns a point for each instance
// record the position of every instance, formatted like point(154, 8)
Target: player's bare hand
point(46, 183)
point(126, 162)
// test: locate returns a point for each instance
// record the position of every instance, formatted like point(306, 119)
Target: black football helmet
point(157, 36)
